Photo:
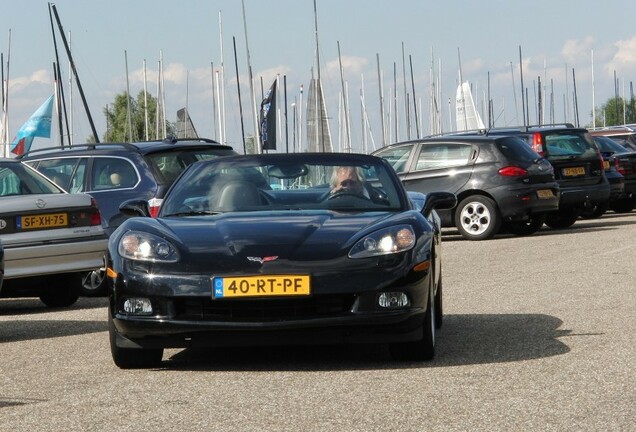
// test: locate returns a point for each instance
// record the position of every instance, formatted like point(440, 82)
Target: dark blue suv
point(115, 172)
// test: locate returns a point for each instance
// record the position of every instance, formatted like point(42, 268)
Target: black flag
point(268, 119)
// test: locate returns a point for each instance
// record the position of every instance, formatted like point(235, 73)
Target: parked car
point(115, 172)
point(625, 135)
point(578, 167)
point(276, 249)
point(50, 237)
point(616, 180)
point(623, 161)
point(498, 181)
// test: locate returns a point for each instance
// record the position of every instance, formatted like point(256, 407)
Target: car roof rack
point(87, 146)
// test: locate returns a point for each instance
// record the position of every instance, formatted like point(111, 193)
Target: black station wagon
point(499, 181)
point(578, 167)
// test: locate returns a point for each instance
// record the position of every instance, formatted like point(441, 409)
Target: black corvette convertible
point(278, 249)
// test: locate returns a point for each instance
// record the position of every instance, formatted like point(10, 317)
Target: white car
point(50, 237)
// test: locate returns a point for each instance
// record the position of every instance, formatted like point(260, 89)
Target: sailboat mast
point(523, 104)
point(257, 137)
point(128, 114)
point(347, 136)
point(221, 84)
point(5, 104)
point(145, 104)
point(79, 84)
point(377, 56)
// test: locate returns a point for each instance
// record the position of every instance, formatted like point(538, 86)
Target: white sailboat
point(318, 132)
point(466, 115)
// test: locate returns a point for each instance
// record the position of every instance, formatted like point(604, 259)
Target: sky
point(383, 47)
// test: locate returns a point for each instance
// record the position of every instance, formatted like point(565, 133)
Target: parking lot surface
point(538, 335)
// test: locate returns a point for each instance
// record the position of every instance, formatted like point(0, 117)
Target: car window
point(442, 155)
point(169, 164)
point(569, 144)
point(112, 173)
point(18, 179)
point(516, 149)
point(397, 157)
point(62, 171)
point(256, 185)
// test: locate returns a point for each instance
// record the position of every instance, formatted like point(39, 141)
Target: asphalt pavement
point(538, 335)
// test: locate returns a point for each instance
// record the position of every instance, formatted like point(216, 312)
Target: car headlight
point(384, 242)
point(142, 246)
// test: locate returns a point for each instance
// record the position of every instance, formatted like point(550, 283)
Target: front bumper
point(185, 314)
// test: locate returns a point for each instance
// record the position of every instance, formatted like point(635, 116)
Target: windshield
point(20, 179)
point(287, 183)
point(169, 164)
point(570, 145)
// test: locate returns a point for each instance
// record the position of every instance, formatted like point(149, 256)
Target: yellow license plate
point(606, 165)
point(545, 193)
point(260, 286)
point(571, 172)
point(50, 220)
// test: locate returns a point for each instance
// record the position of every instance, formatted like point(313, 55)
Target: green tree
point(616, 111)
point(117, 125)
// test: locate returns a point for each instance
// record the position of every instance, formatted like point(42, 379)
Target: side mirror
point(135, 208)
point(439, 201)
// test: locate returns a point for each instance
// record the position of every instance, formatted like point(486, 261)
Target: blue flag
point(38, 125)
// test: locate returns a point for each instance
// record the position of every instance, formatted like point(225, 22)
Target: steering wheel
point(346, 192)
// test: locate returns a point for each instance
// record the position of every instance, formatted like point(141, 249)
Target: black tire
point(528, 227)
point(131, 358)
point(94, 283)
point(423, 349)
point(562, 218)
point(624, 205)
point(62, 292)
point(596, 211)
point(477, 218)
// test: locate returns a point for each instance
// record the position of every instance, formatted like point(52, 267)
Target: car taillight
point(537, 144)
point(512, 171)
point(154, 204)
point(96, 216)
point(620, 168)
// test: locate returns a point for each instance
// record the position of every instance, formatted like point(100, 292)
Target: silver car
point(50, 237)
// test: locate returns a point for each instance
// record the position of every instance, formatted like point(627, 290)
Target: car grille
point(206, 309)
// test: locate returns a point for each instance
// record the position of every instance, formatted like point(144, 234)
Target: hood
point(297, 237)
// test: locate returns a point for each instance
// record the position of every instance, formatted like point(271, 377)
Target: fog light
point(393, 300)
point(138, 306)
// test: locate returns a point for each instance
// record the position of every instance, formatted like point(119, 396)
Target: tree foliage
point(117, 124)
point(616, 111)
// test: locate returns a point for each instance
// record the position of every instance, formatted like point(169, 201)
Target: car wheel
point(624, 205)
point(423, 349)
point(596, 211)
point(563, 218)
point(527, 227)
point(94, 283)
point(477, 218)
point(63, 292)
point(131, 358)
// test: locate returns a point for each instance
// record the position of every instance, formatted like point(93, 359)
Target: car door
point(111, 181)
point(440, 166)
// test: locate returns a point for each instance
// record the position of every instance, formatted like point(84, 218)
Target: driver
point(348, 179)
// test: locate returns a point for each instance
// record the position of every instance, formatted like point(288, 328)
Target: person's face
point(347, 180)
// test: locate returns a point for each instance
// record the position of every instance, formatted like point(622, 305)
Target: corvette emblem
point(262, 260)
